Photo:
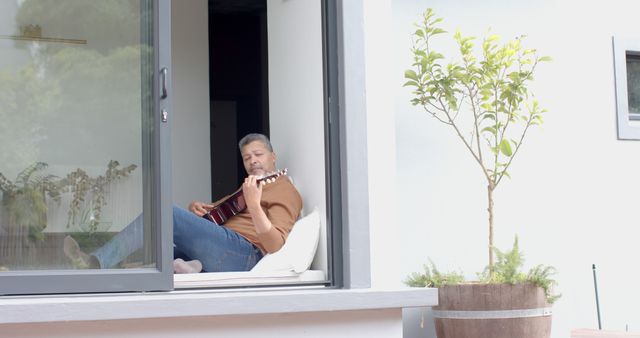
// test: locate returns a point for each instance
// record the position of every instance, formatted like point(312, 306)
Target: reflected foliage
point(27, 101)
point(25, 204)
point(72, 106)
point(69, 101)
point(109, 22)
point(633, 83)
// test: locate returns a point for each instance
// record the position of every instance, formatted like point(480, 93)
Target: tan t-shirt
point(281, 203)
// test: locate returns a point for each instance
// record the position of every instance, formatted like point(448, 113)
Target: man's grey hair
point(255, 137)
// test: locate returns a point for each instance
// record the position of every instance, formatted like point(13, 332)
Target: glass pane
point(633, 83)
point(75, 111)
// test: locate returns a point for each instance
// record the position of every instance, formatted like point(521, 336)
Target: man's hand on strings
point(200, 208)
point(252, 192)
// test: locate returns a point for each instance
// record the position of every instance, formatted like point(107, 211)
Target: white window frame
point(628, 124)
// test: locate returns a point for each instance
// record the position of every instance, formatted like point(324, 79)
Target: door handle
point(163, 82)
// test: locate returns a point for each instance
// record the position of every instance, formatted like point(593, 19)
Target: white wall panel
point(190, 117)
point(296, 107)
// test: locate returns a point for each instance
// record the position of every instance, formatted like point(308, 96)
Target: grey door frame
point(144, 279)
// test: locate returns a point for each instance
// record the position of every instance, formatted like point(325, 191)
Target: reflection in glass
point(75, 106)
point(633, 83)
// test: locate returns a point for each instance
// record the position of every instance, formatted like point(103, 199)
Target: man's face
point(257, 159)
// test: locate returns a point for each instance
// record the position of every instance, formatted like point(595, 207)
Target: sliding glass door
point(84, 146)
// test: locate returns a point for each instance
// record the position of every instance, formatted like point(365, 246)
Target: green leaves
point(433, 278)
point(465, 43)
point(25, 197)
point(438, 31)
point(540, 275)
point(486, 91)
point(411, 83)
point(411, 74)
point(507, 269)
point(505, 148)
point(492, 130)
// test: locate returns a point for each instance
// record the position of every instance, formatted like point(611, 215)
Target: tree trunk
point(490, 189)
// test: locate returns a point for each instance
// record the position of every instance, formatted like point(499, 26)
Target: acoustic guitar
point(234, 204)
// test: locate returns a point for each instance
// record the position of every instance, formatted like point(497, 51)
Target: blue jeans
point(218, 248)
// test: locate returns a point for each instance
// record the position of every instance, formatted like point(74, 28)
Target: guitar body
point(230, 207)
point(234, 204)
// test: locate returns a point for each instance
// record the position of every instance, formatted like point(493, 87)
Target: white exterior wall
point(381, 143)
point(190, 117)
point(344, 324)
point(296, 103)
point(573, 187)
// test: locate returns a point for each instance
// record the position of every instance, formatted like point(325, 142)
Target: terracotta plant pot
point(492, 311)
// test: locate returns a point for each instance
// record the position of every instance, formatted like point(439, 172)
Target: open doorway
point(238, 85)
point(275, 88)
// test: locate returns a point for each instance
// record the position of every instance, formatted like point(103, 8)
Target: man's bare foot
point(180, 266)
point(79, 259)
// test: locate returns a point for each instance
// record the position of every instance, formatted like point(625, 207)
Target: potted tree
point(486, 101)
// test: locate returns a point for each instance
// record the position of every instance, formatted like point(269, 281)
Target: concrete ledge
point(206, 303)
point(589, 333)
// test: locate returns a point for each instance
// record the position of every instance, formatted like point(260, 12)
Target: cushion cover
point(298, 250)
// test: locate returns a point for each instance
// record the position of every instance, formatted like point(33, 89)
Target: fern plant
point(433, 278)
point(25, 203)
point(540, 275)
point(81, 185)
point(506, 269)
point(24, 199)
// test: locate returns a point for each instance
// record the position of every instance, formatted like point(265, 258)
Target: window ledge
point(31, 309)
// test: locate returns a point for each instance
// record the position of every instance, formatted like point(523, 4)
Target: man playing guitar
point(237, 244)
point(271, 210)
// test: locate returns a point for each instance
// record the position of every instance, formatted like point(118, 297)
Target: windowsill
point(35, 309)
point(247, 278)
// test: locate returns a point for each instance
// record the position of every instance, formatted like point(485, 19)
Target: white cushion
point(298, 250)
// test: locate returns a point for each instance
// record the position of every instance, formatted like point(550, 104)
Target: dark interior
point(238, 87)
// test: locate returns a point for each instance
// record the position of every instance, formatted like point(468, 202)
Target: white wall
point(381, 143)
point(190, 117)
point(345, 324)
point(573, 188)
point(296, 106)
